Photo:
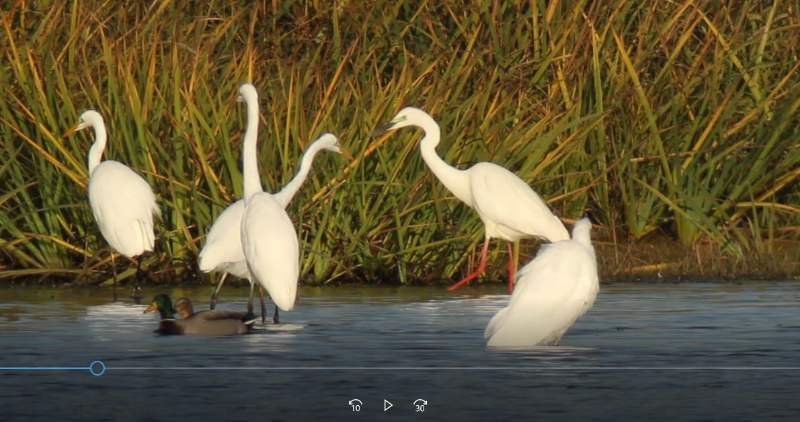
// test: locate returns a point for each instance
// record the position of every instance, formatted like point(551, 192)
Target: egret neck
point(252, 182)
point(284, 197)
point(581, 233)
point(454, 179)
point(99, 145)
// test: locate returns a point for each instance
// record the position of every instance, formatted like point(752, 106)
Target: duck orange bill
point(153, 307)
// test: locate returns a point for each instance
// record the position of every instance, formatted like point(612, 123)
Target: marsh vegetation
point(675, 123)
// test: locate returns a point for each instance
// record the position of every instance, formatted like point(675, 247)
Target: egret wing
point(506, 200)
point(546, 299)
point(223, 249)
point(271, 248)
point(123, 205)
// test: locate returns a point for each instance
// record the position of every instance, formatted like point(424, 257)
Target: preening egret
point(553, 290)
point(223, 249)
point(122, 202)
point(508, 207)
point(221, 323)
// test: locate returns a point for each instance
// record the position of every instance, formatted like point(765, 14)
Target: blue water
point(657, 352)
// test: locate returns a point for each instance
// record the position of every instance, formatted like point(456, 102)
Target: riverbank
point(654, 259)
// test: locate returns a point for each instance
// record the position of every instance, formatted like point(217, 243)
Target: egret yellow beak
point(346, 153)
point(72, 130)
point(382, 129)
point(153, 307)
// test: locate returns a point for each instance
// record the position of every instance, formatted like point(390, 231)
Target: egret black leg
point(114, 271)
point(263, 305)
point(275, 318)
point(250, 299)
point(511, 268)
point(137, 286)
point(215, 295)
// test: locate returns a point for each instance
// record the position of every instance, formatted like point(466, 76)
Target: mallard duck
point(217, 322)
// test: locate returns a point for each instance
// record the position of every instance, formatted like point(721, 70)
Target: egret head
point(409, 116)
point(330, 142)
point(89, 118)
point(247, 93)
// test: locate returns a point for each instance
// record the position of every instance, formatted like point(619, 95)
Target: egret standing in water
point(223, 249)
point(269, 240)
point(508, 207)
point(122, 202)
point(553, 290)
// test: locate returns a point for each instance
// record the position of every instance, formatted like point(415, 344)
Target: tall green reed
point(676, 118)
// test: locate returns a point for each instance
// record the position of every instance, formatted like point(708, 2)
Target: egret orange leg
point(510, 268)
point(478, 271)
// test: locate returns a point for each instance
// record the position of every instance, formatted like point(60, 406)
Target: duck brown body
point(216, 322)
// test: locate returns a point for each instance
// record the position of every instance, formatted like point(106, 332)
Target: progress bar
point(454, 368)
point(98, 368)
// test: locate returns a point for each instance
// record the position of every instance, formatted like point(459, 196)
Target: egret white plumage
point(509, 208)
point(269, 240)
point(553, 291)
point(223, 249)
point(122, 202)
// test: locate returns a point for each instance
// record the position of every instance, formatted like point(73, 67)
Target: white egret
point(553, 290)
point(268, 238)
point(223, 249)
point(122, 202)
point(509, 208)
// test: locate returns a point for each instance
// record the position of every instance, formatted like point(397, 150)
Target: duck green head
point(163, 305)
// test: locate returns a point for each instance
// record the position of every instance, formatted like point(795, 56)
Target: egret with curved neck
point(509, 208)
point(122, 202)
point(223, 249)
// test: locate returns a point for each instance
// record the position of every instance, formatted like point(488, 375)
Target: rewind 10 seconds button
point(356, 405)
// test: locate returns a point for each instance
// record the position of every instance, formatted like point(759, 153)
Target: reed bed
point(674, 119)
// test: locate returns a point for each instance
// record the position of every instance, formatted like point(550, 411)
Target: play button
point(386, 405)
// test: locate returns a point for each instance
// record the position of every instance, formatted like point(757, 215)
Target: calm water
point(661, 352)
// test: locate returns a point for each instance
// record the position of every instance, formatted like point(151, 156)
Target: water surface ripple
point(657, 352)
